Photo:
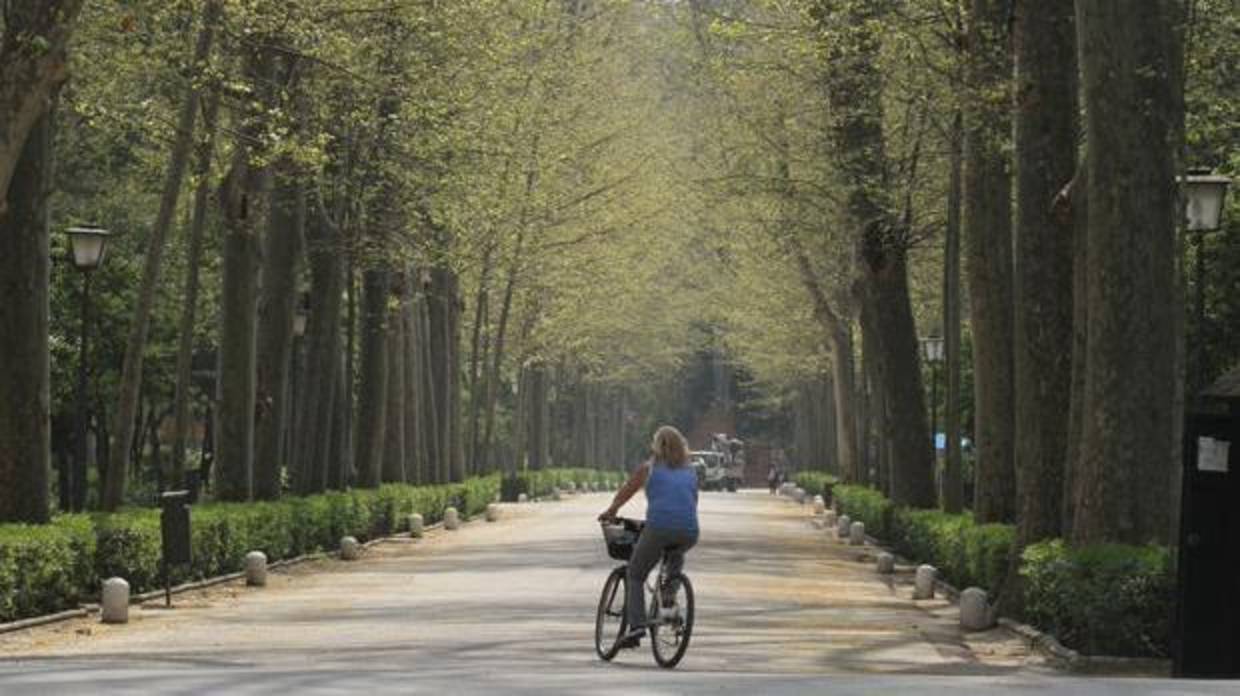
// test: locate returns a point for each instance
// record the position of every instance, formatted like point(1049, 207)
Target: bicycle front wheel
point(610, 622)
point(670, 632)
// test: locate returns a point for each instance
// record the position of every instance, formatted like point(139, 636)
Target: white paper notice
point(1212, 454)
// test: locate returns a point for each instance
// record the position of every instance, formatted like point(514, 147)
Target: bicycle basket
point(621, 538)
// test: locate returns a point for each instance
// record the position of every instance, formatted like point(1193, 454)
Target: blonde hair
point(669, 446)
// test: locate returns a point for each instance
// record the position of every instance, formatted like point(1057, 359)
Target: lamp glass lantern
point(932, 349)
point(1204, 195)
point(88, 244)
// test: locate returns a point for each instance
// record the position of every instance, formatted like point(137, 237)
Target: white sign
point(1212, 454)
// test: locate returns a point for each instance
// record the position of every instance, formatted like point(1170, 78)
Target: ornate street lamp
point(88, 244)
point(1204, 194)
point(932, 351)
point(1203, 197)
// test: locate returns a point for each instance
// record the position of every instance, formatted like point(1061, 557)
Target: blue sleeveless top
point(671, 498)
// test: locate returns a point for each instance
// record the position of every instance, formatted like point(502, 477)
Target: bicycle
point(670, 614)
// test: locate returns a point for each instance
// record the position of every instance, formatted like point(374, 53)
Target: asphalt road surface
point(508, 607)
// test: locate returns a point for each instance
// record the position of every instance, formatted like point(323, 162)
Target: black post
point(1201, 373)
point(78, 476)
point(934, 410)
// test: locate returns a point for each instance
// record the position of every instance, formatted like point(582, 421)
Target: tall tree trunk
point(372, 388)
point(1131, 60)
point(1046, 147)
point(340, 464)
point(241, 196)
point(477, 358)
point(453, 432)
point(31, 73)
point(189, 310)
point(1075, 205)
point(394, 432)
point(24, 362)
point(135, 347)
point(953, 480)
point(854, 88)
point(413, 459)
point(988, 258)
point(277, 302)
point(314, 457)
point(429, 403)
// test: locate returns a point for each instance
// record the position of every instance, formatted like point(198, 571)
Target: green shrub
point(966, 554)
point(129, 546)
point(865, 505)
point(45, 568)
point(1107, 599)
point(52, 567)
point(816, 483)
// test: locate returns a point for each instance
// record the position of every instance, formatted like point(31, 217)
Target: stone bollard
point(886, 563)
point(350, 550)
point(843, 527)
point(856, 534)
point(829, 519)
point(975, 610)
point(555, 494)
point(256, 569)
point(451, 519)
point(114, 605)
point(799, 495)
point(819, 505)
point(492, 512)
point(417, 525)
point(523, 498)
point(923, 583)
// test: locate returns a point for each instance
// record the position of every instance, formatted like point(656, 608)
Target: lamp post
point(932, 351)
point(1203, 197)
point(88, 244)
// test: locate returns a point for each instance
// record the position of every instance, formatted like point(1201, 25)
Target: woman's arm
point(630, 488)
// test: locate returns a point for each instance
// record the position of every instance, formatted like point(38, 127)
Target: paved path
point(508, 608)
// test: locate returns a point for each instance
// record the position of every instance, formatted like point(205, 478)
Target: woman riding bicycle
point(671, 520)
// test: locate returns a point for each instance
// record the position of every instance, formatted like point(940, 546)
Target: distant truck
point(722, 467)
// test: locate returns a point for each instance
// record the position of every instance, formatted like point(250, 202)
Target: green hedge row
point(966, 554)
point(1107, 599)
point(815, 482)
point(1101, 600)
point(541, 482)
point(53, 567)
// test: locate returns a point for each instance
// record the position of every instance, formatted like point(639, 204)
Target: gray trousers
point(650, 548)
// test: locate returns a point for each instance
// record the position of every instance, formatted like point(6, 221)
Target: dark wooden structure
point(1206, 630)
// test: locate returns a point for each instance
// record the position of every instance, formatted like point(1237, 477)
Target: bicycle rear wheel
point(670, 633)
point(610, 622)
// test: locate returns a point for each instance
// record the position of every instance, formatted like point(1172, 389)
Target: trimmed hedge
point(1100, 600)
point(967, 554)
point(53, 567)
point(1108, 599)
point(815, 483)
point(538, 483)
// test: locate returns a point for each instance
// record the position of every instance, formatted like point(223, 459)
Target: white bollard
point(555, 494)
point(417, 525)
point(114, 607)
point(856, 534)
point(975, 610)
point(923, 583)
point(799, 495)
point(451, 519)
point(492, 512)
point(256, 569)
point(819, 505)
point(843, 527)
point(523, 498)
point(886, 563)
point(350, 550)
point(829, 519)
